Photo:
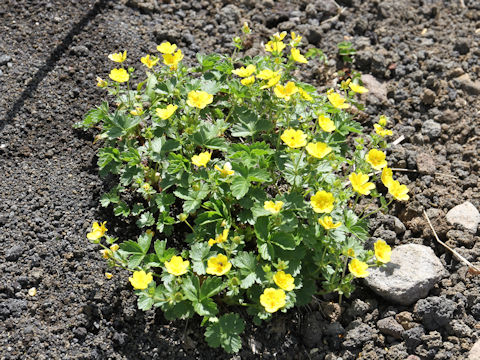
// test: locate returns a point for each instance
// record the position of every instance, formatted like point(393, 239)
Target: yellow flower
point(199, 99)
point(360, 183)
point(358, 88)
point(226, 171)
point(296, 56)
point(218, 265)
point(294, 138)
point(106, 254)
point(149, 62)
point(177, 266)
point(337, 100)
point(164, 114)
point(137, 112)
point(304, 94)
point(248, 81)
point(202, 159)
point(327, 223)
point(273, 207)
point(101, 83)
point(140, 280)
point(322, 202)
point(220, 238)
point(119, 75)
point(381, 131)
point(108, 275)
point(267, 74)
point(399, 192)
point(376, 158)
point(172, 60)
point(285, 92)
point(383, 120)
point(114, 247)
point(358, 268)
point(246, 28)
point(97, 232)
point(273, 299)
point(318, 149)
point(295, 39)
point(245, 72)
point(326, 123)
point(387, 176)
point(351, 252)
point(382, 251)
point(275, 46)
point(118, 57)
point(271, 82)
point(167, 48)
point(280, 36)
point(284, 281)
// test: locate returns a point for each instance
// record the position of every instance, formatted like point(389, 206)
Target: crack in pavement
point(52, 60)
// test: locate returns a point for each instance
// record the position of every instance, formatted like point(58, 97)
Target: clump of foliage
point(257, 173)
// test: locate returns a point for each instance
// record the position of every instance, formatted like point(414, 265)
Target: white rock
point(465, 214)
point(412, 272)
point(474, 353)
point(375, 88)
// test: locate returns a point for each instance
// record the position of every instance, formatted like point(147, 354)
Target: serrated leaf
point(226, 333)
point(304, 295)
point(131, 247)
point(199, 254)
point(163, 254)
point(144, 241)
point(144, 302)
point(145, 220)
point(191, 288)
point(211, 286)
point(284, 240)
point(121, 209)
point(239, 187)
point(135, 260)
point(205, 307)
point(261, 227)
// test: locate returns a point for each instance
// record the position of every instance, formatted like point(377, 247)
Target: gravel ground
point(425, 57)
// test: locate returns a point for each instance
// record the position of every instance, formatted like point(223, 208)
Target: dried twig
point(471, 268)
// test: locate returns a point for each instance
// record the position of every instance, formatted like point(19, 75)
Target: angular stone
point(474, 353)
point(426, 163)
point(375, 88)
point(389, 326)
point(465, 214)
point(413, 270)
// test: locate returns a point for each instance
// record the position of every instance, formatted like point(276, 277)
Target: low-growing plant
point(251, 188)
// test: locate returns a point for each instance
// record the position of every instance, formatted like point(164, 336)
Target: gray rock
point(435, 311)
point(376, 89)
point(431, 129)
point(428, 97)
point(230, 13)
point(474, 353)
point(426, 163)
point(466, 215)
point(461, 45)
point(14, 252)
point(80, 50)
point(458, 328)
point(357, 334)
point(413, 337)
point(412, 272)
point(389, 326)
point(464, 82)
point(5, 59)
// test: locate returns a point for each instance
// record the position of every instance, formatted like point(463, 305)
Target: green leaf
point(111, 197)
point(144, 241)
point(266, 250)
point(121, 209)
point(210, 86)
point(181, 310)
point(239, 187)
point(259, 175)
point(304, 295)
point(191, 288)
point(144, 302)
point(131, 247)
point(247, 267)
point(135, 260)
point(211, 286)
point(261, 227)
point(109, 160)
point(161, 251)
point(225, 333)
point(93, 117)
point(199, 254)
point(122, 123)
point(284, 240)
point(146, 220)
point(130, 174)
point(205, 307)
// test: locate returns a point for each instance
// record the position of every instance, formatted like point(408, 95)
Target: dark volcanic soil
point(426, 55)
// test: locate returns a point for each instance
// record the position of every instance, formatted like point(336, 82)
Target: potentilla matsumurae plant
point(251, 188)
